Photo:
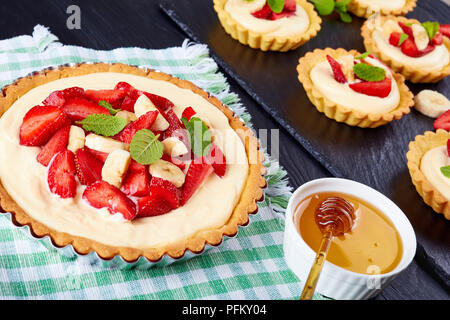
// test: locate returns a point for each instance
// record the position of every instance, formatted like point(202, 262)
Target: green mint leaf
point(276, 5)
point(345, 17)
point(369, 73)
point(446, 171)
point(145, 147)
point(103, 124)
point(324, 7)
point(108, 106)
point(403, 37)
point(363, 56)
point(341, 6)
point(199, 136)
point(431, 28)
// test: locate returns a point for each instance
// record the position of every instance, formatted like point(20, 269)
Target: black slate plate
point(375, 157)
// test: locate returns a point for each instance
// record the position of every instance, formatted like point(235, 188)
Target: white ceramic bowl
point(336, 282)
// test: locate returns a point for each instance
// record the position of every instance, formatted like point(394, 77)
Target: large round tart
point(215, 210)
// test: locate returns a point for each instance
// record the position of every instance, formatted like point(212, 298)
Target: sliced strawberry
point(198, 171)
point(40, 123)
point(410, 49)
point(373, 88)
point(136, 166)
point(263, 13)
point(136, 183)
point(179, 163)
point(160, 102)
point(394, 38)
point(61, 175)
point(290, 5)
point(56, 144)
point(79, 108)
point(128, 104)
point(337, 70)
point(217, 160)
point(167, 190)
point(98, 154)
point(88, 167)
point(406, 29)
point(124, 86)
point(443, 121)
point(283, 14)
point(438, 39)
point(176, 127)
point(113, 97)
point(144, 122)
point(101, 194)
point(188, 113)
point(163, 197)
point(445, 30)
point(448, 147)
point(58, 98)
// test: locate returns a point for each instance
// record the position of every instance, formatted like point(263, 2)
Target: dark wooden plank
point(375, 157)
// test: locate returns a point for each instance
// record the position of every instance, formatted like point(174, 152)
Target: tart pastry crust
point(410, 73)
point(417, 149)
point(339, 112)
point(363, 10)
point(247, 204)
point(257, 40)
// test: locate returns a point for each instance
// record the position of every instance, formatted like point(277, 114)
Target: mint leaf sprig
point(145, 148)
point(369, 73)
point(103, 124)
point(326, 7)
point(199, 136)
point(446, 171)
point(108, 106)
point(432, 28)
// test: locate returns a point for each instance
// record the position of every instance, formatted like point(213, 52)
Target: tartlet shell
point(417, 149)
point(247, 204)
point(362, 10)
point(410, 73)
point(257, 40)
point(339, 112)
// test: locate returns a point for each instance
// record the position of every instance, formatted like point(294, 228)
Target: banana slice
point(104, 144)
point(76, 139)
point(126, 115)
point(420, 36)
point(115, 167)
point(390, 26)
point(143, 105)
point(174, 147)
point(167, 171)
point(431, 103)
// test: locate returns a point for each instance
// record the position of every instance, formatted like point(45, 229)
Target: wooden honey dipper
point(334, 217)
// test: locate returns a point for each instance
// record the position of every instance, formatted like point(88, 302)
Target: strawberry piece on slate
point(443, 121)
point(198, 171)
point(40, 123)
point(101, 194)
point(61, 175)
point(144, 122)
point(136, 183)
point(88, 168)
point(373, 88)
point(56, 144)
point(337, 70)
point(79, 108)
point(113, 97)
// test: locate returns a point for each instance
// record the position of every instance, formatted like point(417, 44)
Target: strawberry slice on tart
point(88, 167)
point(113, 97)
point(79, 108)
point(61, 175)
point(56, 144)
point(144, 122)
point(163, 198)
point(60, 97)
point(198, 171)
point(136, 183)
point(267, 13)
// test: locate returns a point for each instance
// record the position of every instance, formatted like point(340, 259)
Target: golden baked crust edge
point(246, 205)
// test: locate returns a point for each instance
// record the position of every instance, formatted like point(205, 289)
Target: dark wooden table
point(108, 24)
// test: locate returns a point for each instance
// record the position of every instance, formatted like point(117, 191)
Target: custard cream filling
point(241, 11)
point(26, 180)
point(433, 61)
point(340, 93)
point(377, 5)
point(431, 164)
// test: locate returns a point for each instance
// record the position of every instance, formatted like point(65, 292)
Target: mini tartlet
point(262, 40)
point(383, 27)
point(90, 75)
point(349, 115)
point(417, 149)
point(365, 8)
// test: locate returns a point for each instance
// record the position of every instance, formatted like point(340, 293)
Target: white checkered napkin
point(250, 266)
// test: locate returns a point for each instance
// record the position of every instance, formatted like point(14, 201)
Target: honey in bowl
point(372, 246)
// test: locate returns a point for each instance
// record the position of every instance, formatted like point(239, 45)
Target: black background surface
point(108, 24)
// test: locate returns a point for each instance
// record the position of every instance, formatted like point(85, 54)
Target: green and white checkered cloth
point(250, 266)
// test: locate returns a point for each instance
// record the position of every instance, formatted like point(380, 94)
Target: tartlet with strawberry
point(419, 51)
point(365, 8)
point(278, 25)
point(429, 166)
point(124, 161)
point(353, 88)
